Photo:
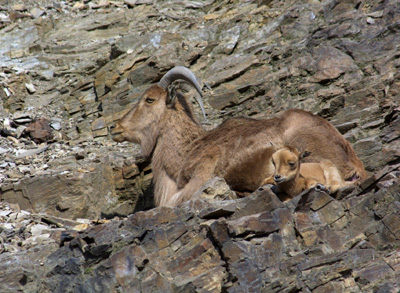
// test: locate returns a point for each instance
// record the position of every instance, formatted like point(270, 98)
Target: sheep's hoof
point(273, 188)
point(321, 187)
point(268, 186)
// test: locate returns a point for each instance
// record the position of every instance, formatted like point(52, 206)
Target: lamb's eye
point(149, 100)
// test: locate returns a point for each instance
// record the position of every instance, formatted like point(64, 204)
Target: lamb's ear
point(304, 154)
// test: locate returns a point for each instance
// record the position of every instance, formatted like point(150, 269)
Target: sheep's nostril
point(113, 130)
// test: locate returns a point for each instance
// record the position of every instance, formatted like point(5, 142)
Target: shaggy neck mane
point(183, 105)
point(176, 139)
point(148, 145)
point(177, 135)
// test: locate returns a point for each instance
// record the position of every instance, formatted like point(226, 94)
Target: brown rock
point(259, 202)
point(37, 12)
point(331, 63)
point(332, 212)
point(79, 6)
point(216, 189)
point(257, 224)
point(320, 200)
point(99, 123)
point(130, 3)
point(392, 222)
point(144, 74)
point(19, 7)
point(14, 15)
point(227, 99)
point(393, 259)
point(213, 209)
point(39, 131)
point(78, 195)
point(336, 58)
point(219, 230)
point(101, 4)
point(229, 68)
point(130, 171)
point(372, 273)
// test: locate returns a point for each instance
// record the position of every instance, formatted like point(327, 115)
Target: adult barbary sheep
point(185, 156)
point(291, 176)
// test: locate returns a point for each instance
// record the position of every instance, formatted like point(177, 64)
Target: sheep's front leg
point(192, 187)
point(269, 180)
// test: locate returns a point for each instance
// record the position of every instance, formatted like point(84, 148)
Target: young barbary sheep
point(185, 156)
point(291, 177)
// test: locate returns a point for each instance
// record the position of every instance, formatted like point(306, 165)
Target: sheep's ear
point(274, 147)
point(171, 96)
point(304, 154)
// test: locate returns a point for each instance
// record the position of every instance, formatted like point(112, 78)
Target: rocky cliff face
point(75, 213)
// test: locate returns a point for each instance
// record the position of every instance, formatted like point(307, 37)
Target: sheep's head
point(143, 118)
point(287, 163)
point(142, 123)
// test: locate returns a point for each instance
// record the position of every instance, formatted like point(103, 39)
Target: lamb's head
point(143, 122)
point(287, 163)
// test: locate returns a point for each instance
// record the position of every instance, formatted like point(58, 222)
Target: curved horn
point(180, 72)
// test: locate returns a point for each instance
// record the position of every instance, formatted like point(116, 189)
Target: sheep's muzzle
point(117, 133)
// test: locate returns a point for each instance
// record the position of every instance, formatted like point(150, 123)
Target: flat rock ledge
point(313, 242)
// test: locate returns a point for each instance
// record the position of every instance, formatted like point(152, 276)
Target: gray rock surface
point(70, 69)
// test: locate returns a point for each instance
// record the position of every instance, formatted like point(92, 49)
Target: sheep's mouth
point(116, 133)
point(117, 136)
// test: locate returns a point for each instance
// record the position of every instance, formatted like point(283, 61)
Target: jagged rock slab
point(83, 65)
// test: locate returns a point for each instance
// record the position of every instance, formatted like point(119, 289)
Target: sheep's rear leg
point(332, 176)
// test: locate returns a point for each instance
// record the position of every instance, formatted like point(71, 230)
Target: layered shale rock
point(71, 69)
point(253, 244)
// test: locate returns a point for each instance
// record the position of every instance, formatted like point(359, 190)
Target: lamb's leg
point(322, 187)
point(311, 183)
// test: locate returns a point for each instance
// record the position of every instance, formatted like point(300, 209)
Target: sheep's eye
point(149, 100)
point(291, 164)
